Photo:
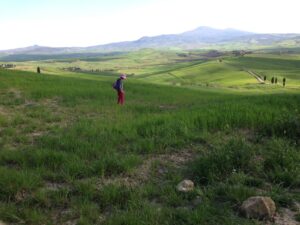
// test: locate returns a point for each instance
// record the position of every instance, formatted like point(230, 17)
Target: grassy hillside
point(184, 68)
point(272, 66)
point(69, 154)
point(211, 73)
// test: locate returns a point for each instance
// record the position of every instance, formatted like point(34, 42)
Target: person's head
point(123, 76)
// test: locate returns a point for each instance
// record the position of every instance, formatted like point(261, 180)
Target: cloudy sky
point(91, 22)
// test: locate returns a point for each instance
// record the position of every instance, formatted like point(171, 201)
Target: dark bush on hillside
point(272, 80)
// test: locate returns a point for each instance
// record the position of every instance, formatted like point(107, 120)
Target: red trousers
point(121, 97)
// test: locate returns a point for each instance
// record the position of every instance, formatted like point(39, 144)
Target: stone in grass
point(185, 186)
point(258, 207)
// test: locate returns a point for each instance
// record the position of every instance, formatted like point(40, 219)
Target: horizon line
point(145, 36)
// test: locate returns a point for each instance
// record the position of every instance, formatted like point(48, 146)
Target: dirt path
point(256, 76)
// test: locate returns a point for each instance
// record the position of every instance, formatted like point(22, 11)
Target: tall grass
point(70, 130)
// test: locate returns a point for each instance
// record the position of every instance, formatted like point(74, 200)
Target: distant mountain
point(197, 37)
point(208, 35)
point(36, 49)
point(202, 37)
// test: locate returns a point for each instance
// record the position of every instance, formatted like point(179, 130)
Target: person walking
point(118, 86)
point(283, 81)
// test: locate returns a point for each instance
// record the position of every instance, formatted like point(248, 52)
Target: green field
point(70, 155)
point(183, 68)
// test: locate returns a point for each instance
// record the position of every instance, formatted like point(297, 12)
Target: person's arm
point(121, 86)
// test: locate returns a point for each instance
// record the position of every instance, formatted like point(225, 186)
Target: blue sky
point(92, 22)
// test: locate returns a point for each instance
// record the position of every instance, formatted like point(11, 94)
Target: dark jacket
point(119, 85)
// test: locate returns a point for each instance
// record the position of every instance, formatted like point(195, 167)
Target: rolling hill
point(70, 155)
point(202, 37)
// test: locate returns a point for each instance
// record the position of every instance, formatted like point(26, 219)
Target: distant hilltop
point(202, 37)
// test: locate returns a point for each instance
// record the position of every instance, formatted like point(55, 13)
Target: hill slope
point(70, 155)
point(202, 37)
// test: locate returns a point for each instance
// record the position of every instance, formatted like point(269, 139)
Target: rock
point(185, 186)
point(258, 208)
point(21, 195)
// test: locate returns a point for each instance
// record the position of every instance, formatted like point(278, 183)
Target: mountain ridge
point(200, 37)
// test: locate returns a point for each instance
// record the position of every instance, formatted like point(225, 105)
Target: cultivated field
point(70, 155)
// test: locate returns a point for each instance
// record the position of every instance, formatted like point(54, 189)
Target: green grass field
point(70, 155)
point(183, 68)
